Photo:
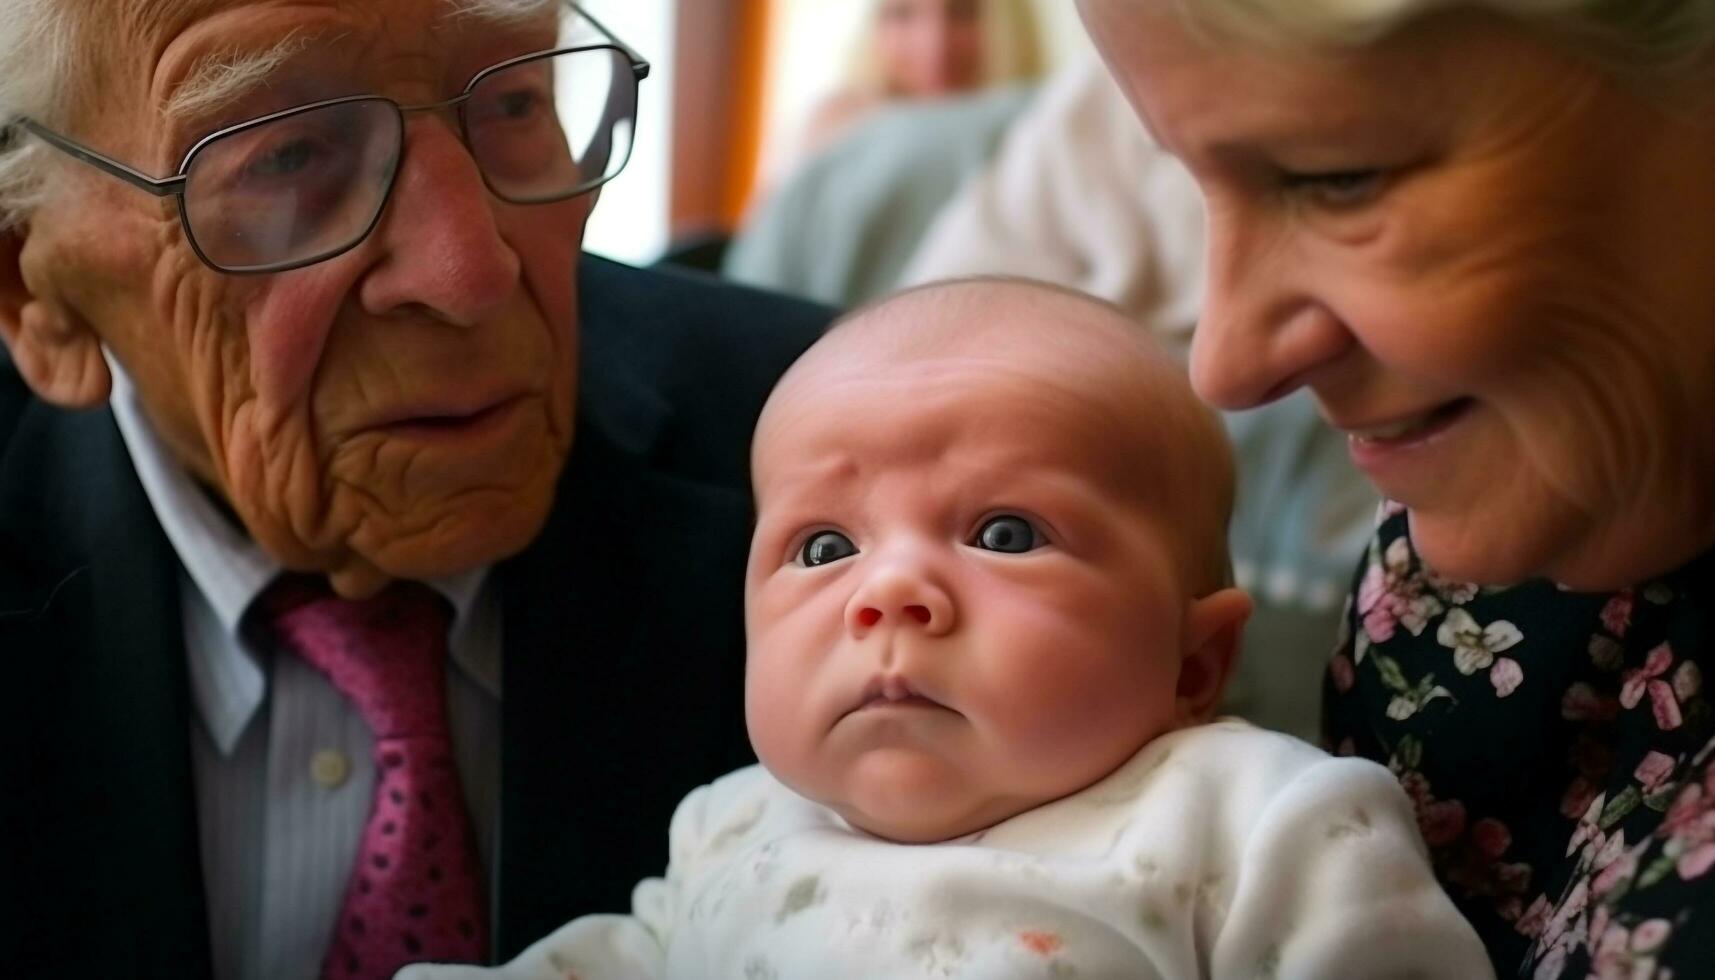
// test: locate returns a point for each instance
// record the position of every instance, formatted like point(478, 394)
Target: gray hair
point(35, 54)
point(40, 44)
point(1650, 37)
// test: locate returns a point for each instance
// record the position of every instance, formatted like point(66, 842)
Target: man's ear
point(58, 354)
point(1213, 627)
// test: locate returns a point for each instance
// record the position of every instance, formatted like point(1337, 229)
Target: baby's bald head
point(1159, 445)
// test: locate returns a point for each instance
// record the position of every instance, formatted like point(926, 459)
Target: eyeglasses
point(303, 185)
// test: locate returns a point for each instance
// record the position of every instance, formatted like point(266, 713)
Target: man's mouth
point(429, 422)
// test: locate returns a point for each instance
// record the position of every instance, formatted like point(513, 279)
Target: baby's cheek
point(768, 682)
point(779, 707)
point(1065, 700)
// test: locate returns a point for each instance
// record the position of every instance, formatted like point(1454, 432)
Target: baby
point(989, 622)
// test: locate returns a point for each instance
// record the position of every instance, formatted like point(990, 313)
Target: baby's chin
point(906, 808)
point(910, 831)
point(910, 791)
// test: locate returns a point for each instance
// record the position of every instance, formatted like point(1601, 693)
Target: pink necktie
point(415, 891)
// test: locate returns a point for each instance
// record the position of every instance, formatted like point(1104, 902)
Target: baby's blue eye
point(824, 547)
point(1008, 534)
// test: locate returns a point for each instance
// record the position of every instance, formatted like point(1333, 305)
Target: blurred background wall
point(633, 219)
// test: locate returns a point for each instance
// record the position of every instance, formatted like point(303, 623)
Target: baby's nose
point(869, 615)
point(900, 597)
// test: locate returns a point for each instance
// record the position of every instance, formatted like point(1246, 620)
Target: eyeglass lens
point(310, 184)
point(533, 146)
point(302, 185)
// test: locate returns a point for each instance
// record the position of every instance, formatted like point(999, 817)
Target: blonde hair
point(1012, 47)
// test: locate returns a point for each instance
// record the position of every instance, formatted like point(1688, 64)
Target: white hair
point(1648, 36)
point(502, 10)
point(221, 79)
point(41, 43)
point(35, 54)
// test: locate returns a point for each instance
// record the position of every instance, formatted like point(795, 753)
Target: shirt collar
point(229, 570)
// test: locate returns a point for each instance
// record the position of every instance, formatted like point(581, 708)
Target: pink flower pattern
point(1559, 751)
point(1647, 678)
point(1391, 596)
point(1617, 614)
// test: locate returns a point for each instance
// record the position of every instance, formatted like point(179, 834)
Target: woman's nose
point(901, 594)
point(442, 248)
point(1264, 331)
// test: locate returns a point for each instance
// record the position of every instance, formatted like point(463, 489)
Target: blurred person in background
point(926, 49)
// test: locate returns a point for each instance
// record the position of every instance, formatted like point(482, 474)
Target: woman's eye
point(824, 547)
point(1008, 534)
point(1339, 188)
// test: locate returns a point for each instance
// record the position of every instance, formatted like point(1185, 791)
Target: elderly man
point(384, 595)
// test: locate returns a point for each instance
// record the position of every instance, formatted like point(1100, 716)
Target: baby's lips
point(894, 688)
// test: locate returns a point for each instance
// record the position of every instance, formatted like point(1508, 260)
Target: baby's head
point(990, 558)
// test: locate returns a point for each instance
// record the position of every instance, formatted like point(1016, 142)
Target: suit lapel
point(610, 621)
point(108, 853)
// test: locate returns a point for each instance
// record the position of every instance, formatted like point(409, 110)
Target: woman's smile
point(1394, 452)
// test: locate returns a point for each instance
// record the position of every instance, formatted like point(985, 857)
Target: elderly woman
point(1481, 234)
point(369, 565)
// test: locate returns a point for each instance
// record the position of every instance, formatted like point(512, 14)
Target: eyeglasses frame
point(174, 185)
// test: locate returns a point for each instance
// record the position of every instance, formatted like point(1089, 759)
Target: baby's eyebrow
point(836, 469)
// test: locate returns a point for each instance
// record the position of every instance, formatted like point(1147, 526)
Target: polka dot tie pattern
point(415, 891)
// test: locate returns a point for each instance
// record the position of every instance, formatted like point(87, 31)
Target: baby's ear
point(58, 355)
point(1214, 625)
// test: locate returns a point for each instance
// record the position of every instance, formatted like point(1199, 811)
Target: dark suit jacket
point(623, 657)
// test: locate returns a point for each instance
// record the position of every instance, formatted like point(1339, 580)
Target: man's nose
point(1263, 332)
point(442, 250)
point(901, 592)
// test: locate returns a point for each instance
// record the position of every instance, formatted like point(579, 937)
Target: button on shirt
point(282, 761)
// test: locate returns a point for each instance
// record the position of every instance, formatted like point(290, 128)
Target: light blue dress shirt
point(282, 761)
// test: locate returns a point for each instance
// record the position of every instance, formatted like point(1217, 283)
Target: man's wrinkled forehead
point(241, 39)
point(165, 18)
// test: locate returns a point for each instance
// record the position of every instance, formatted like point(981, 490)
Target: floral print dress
point(1558, 748)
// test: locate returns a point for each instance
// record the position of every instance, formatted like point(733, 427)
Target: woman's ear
point(1214, 625)
point(58, 354)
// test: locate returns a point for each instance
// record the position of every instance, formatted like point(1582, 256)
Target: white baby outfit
point(1222, 851)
